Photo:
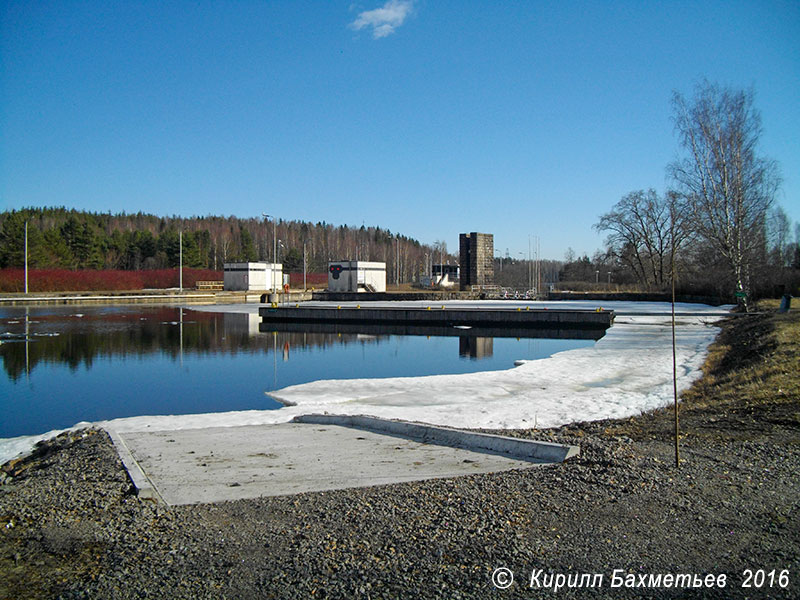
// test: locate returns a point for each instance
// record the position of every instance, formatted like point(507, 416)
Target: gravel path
point(70, 526)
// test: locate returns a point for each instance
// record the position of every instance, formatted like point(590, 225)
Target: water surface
point(63, 365)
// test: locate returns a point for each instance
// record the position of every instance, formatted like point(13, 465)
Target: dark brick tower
point(476, 255)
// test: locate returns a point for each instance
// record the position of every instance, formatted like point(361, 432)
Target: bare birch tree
point(726, 187)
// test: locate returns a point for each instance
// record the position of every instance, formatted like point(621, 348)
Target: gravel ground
point(71, 526)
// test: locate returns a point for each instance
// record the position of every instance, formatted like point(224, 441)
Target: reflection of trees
point(126, 335)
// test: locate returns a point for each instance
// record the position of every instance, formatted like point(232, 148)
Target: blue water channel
point(66, 364)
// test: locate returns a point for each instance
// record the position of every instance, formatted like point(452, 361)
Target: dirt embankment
point(70, 527)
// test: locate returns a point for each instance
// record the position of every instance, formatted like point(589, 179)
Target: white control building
point(261, 276)
point(356, 276)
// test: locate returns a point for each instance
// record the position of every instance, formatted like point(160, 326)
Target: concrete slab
point(143, 485)
point(230, 463)
point(517, 448)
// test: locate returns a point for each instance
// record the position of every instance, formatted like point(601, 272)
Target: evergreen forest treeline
point(71, 239)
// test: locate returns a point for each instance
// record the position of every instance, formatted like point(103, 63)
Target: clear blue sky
point(430, 118)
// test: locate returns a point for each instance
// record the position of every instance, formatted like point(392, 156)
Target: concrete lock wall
point(356, 276)
point(256, 276)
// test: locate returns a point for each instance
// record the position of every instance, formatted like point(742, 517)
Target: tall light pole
point(274, 247)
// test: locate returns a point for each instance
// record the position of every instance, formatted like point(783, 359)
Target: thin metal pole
point(674, 358)
point(180, 263)
point(280, 243)
point(530, 265)
point(675, 378)
point(538, 265)
point(274, 248)
point(26, 257)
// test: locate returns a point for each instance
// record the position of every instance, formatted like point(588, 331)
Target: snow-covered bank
point(625, 373)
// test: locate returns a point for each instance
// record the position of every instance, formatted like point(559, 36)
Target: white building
point(248, 276)
point(445, 276)
point(356, 276)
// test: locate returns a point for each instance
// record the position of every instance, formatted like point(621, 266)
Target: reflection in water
point(78, 338)
point(475, 347)
point(62, 365)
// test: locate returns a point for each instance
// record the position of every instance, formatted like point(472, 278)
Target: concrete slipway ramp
point(313, 453)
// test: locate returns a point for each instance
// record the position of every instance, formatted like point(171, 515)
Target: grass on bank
point(753, 362)
point(750, 377)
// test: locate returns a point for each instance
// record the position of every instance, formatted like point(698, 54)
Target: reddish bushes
point(315, 280)
point(63, 280)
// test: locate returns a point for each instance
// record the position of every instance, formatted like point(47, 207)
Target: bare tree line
point(719, 221)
